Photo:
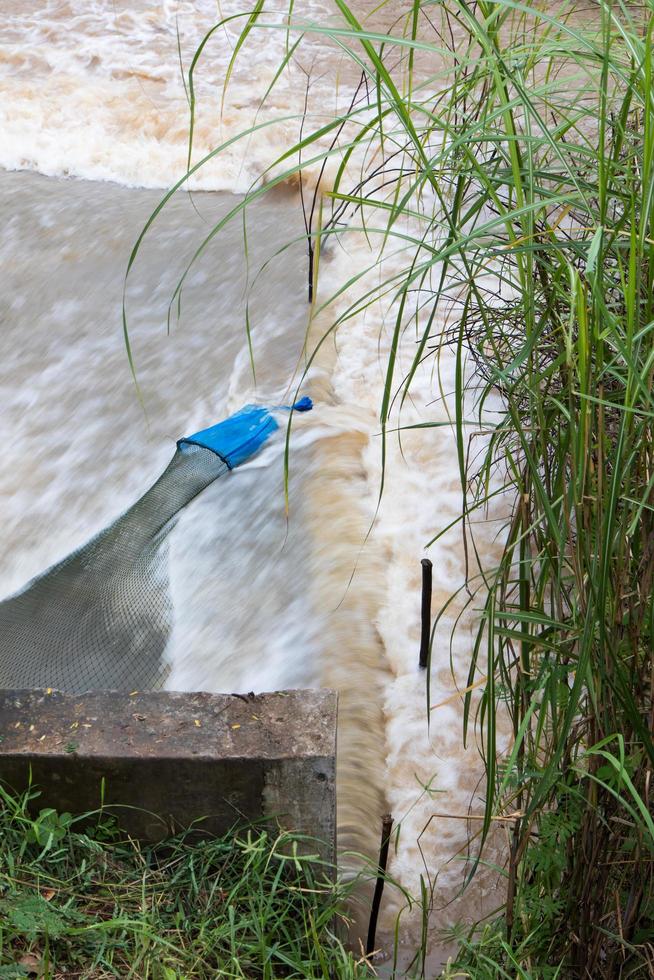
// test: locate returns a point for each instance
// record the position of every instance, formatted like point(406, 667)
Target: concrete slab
point(177, 758)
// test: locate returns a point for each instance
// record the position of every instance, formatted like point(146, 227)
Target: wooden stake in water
point(425, 634)
point(387, 826)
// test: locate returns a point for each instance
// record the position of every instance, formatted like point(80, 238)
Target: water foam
point(430, 782)
point(95, 90)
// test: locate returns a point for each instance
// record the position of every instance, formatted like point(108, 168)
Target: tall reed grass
point(506, 151)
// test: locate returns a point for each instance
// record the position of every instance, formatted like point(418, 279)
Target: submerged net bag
point(101, 617)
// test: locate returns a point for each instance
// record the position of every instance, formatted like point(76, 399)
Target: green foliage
point(50, 827)
point(31, 916)
point(78, 898)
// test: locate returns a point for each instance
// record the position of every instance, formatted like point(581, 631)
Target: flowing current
point(94, 125)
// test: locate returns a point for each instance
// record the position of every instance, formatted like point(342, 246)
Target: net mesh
point(102, 616)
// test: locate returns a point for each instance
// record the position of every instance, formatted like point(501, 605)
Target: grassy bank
point(79, 899)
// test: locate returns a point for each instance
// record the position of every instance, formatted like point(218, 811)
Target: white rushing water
point(91, 89)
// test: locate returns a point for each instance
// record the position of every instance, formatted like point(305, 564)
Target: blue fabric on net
point(240, 436)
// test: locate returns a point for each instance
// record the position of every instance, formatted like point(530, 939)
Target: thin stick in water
point(387, 826)
point(425, 633)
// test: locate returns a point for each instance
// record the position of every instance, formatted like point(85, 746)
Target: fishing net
point(101, 617)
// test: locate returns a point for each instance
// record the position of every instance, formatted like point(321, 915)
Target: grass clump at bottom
point(84, 900)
